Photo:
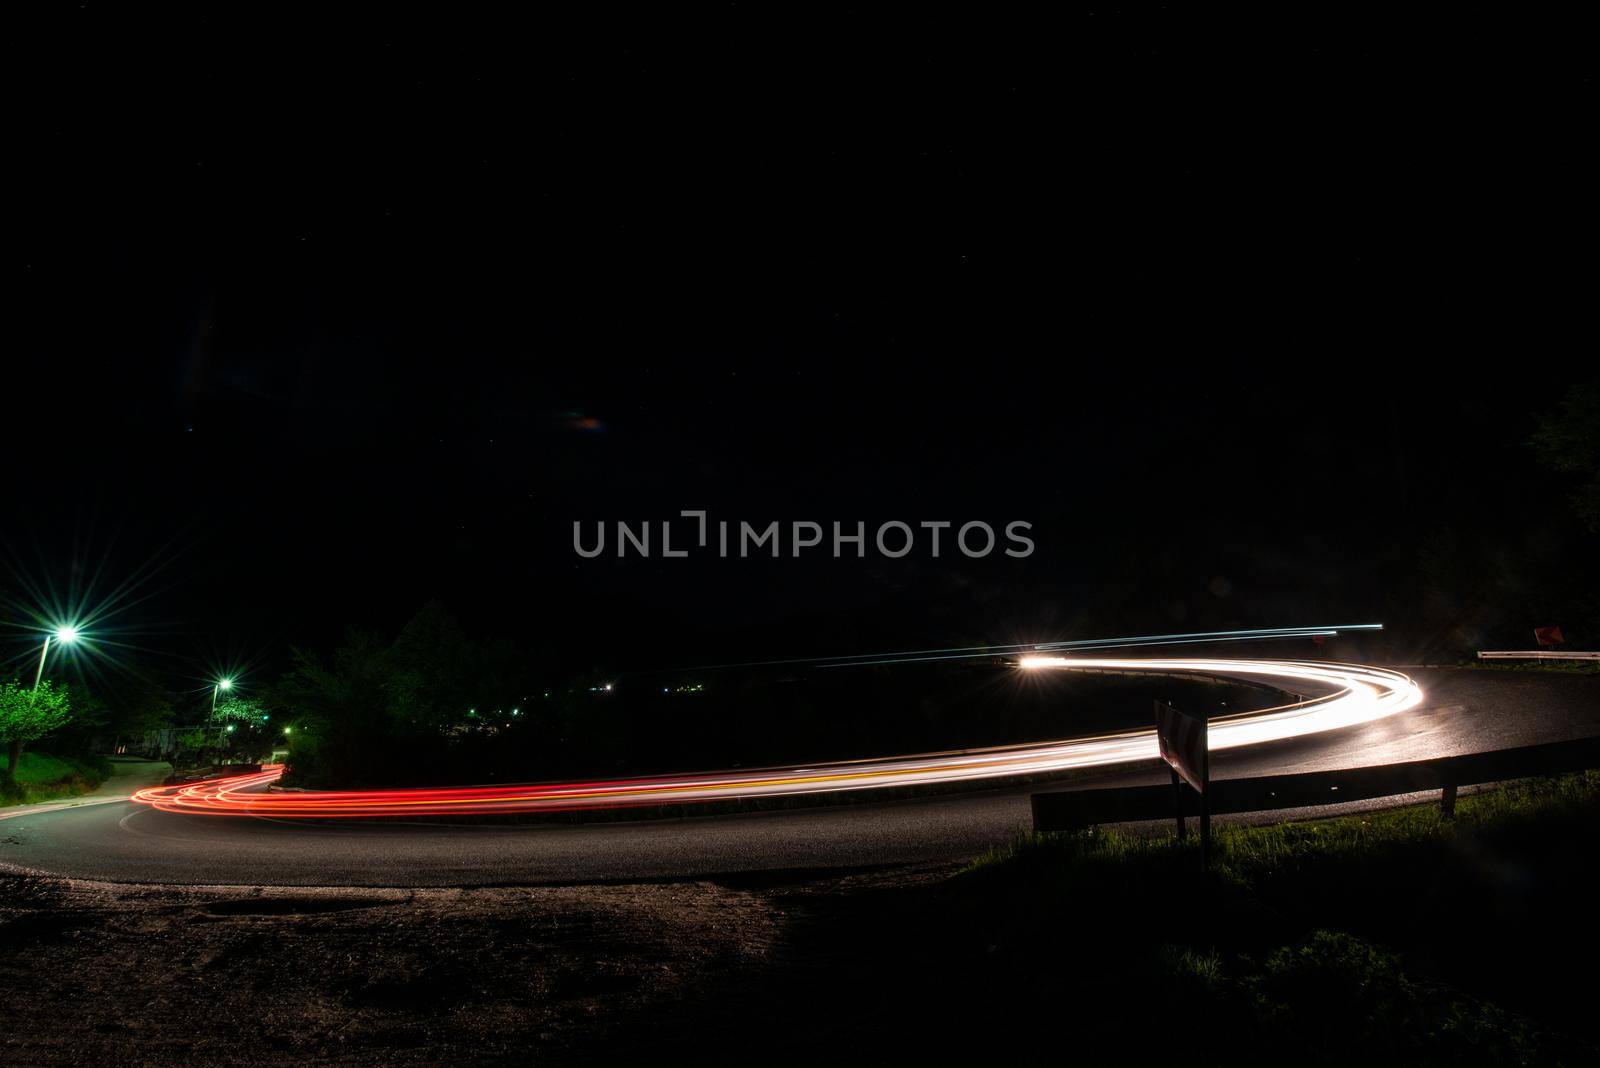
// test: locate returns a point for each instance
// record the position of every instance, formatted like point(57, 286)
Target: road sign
point(1185, 745)
point(1548, 636)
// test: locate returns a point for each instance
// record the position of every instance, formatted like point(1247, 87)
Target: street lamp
point(65, 635)
point(221, 684)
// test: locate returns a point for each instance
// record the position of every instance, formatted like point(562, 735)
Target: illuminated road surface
point(1352, 694)
point(1466, 711)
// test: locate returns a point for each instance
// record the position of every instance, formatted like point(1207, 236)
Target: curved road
point(1464, 711)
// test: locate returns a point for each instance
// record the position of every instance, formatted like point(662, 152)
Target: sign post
point(1177, 806)
point(1185, 746)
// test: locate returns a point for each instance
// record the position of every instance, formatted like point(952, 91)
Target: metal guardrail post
point(1447, 802)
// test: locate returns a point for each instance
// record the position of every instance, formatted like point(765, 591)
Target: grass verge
point(44, 777)
point(1401, 936)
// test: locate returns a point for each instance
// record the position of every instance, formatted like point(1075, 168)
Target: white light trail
point(1351, 695)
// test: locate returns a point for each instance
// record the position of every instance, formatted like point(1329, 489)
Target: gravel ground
point(139, 974)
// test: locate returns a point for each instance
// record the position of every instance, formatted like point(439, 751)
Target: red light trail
point(1355, 694)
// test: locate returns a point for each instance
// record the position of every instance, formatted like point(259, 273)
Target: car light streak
point(1351, 694)
point(969, 652)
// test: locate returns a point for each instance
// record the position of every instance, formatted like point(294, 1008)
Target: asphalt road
point(1464, 711)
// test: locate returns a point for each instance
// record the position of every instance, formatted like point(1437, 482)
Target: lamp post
point(64, 635)
point(221, 684)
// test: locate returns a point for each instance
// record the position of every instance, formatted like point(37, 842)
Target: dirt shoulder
point(100, 972)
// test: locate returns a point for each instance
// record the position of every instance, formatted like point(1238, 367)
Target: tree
point(435, 675)
point(189, 747)
point(238, 712)
point(339, 711)
point(29, 714)
point(238, 729)
point(1569, 441)
point(140, 707)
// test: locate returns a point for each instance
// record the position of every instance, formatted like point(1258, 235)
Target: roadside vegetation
point(28, 714)
point(1538, 667)
point(1397, 936)
point(43, 777)
point(53, 735)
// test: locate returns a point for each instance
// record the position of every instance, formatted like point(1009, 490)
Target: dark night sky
point(1236, 316)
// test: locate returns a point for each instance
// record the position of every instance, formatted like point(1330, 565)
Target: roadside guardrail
point(1537, 654)
point(1072, 810)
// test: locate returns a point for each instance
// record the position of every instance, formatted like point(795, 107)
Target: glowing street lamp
point(222, 684)
point(65, 635)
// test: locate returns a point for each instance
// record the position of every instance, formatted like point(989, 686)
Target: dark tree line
point(431, 706)
point(415, 708)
